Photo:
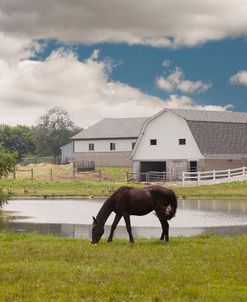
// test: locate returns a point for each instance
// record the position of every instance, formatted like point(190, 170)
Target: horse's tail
point(172, 208)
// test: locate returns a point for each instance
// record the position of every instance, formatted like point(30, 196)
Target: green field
point(96, 188)
point(203, 268)
point(95, 183)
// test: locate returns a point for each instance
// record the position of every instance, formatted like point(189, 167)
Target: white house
point(108, 142)
point(176, 140)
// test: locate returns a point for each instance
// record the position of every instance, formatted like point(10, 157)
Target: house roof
point(112, 128)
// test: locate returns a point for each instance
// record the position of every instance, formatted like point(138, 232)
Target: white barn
point(176, 140)
point(172, 141)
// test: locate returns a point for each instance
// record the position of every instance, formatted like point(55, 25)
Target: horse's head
point(97, 231)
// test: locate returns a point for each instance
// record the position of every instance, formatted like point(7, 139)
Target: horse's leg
point(113, 227)
point(128, 226)
point(164, 223)
point(165, 230)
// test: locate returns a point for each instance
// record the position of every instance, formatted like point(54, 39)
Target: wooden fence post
point(100, 176)
point(51, 176)
point(229, 174)
point(14, 173)
point(31, 174)
point(127, 176)
point(214, 176)
point(73, 174)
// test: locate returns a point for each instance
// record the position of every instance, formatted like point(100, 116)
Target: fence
point(55, 174)
point(37, 160)
point(214, 176)
point(153, 176)
point(191, 178)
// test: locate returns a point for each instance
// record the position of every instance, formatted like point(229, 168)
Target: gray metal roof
point(211, 116)
point(220, 139)
point(113, 128)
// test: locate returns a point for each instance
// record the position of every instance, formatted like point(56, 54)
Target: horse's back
point(135, 201)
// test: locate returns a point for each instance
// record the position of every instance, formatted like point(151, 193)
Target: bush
point(3, 198)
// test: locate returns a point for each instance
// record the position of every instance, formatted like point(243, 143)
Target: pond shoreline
point(78, 197)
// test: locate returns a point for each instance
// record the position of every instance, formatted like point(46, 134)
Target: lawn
point(203, 268)
point(101, 182)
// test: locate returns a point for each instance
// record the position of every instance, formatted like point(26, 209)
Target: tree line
point(52, 130)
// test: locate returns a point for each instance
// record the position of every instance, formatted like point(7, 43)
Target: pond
point(73, 218)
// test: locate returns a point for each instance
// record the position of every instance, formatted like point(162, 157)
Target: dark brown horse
point(128, 201)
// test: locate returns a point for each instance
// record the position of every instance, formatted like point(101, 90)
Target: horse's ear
point(94, 220)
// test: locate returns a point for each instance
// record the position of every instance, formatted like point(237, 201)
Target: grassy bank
point(89, 187)
point(204, 268)
point(101, 182)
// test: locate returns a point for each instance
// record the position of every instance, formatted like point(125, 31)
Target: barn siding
point(104, 158)
point(221, 164)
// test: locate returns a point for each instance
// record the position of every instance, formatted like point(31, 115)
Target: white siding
point(104, 145)
point(167, 128)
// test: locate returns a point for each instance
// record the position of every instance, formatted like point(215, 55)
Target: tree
point(7, 162)
point(17, 139)
point(53, 130)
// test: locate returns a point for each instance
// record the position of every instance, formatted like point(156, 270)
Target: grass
point(203, 268)
point(89, 183)
point(90, 187)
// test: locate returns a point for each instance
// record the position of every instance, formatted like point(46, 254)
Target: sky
point(120, 58)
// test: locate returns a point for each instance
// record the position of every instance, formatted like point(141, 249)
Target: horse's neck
point(104, 212)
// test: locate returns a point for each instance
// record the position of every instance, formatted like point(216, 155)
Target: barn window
point(91, 147)
point(182, 141)
point(153, 142)
point(112, 146)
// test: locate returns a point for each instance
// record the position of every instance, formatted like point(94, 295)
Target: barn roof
point(220, 139)
point(211, 116)
point(218, 134)
point(112, 128)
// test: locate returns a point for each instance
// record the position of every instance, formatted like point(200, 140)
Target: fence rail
point(214, 176)
point(190, 178)
point(153, 176)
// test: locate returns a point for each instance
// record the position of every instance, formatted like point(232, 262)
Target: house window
point(182, 141)
point(112, 146)
point(133, 145)
point(91, 147)
point(153, 142)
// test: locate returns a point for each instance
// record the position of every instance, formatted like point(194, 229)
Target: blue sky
point(121, 58)
point(139, 66)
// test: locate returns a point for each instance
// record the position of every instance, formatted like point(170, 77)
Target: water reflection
point(72, 218)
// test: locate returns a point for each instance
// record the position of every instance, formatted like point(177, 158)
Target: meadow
point(63, 181)
point(203, 268)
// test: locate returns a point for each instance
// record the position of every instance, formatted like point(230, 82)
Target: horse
point(128, 201)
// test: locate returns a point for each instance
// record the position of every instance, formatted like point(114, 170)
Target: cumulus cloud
point(176, 81)
point(159, 23)
point(28, 88)
point(175, 101)
point(16, 48)
point(240, 78)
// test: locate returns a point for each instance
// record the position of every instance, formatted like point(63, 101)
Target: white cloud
point(15, 49)
point(239, 78)
point(159, 23)
point(28, 88)
point(176, 81)
point(176, 101)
